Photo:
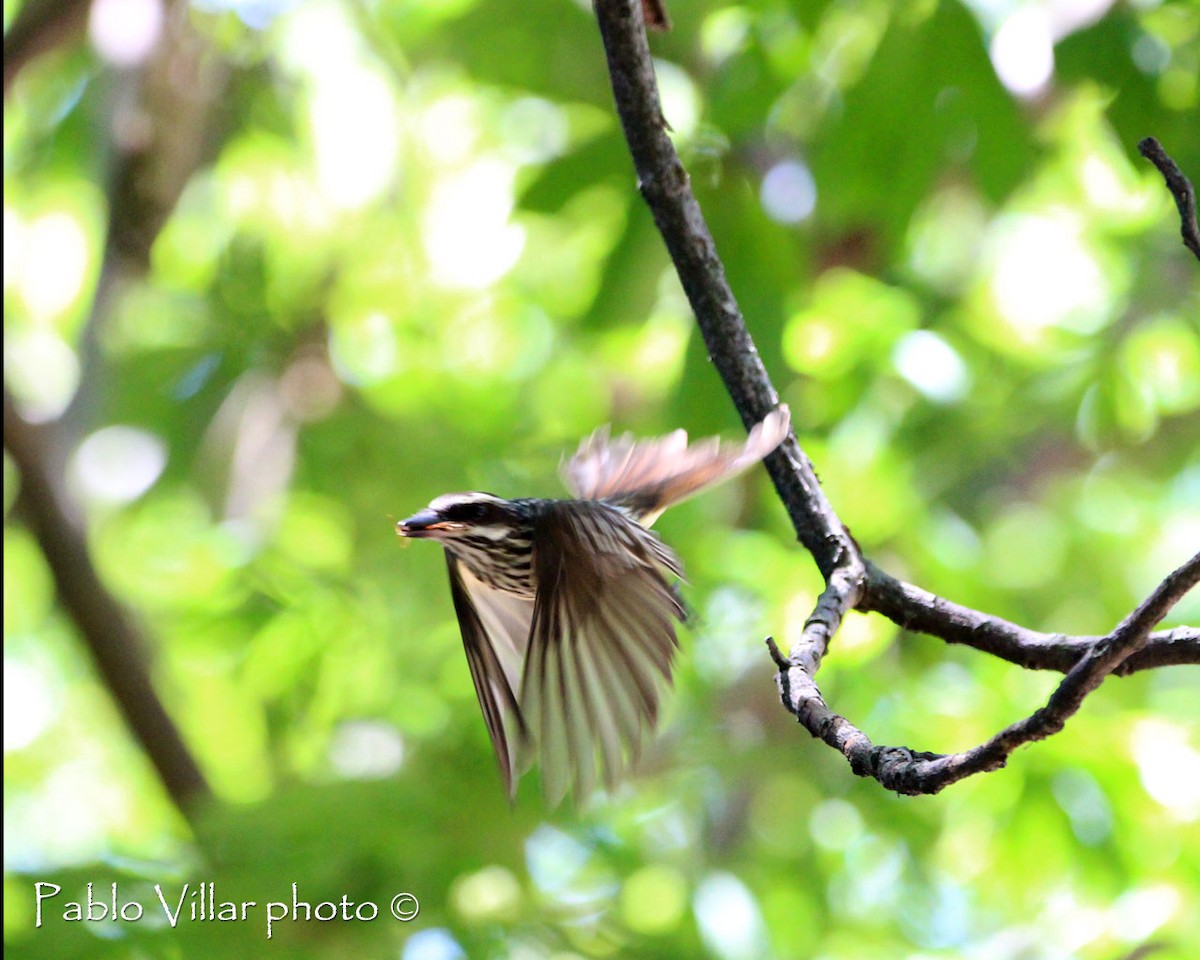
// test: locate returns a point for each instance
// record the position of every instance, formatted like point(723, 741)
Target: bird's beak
point(423, 524)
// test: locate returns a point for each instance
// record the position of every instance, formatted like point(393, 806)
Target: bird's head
point(456, 516)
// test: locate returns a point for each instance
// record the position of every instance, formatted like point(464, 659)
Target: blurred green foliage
point(410, 259)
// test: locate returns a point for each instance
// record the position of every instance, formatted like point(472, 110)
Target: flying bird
point(566, 607)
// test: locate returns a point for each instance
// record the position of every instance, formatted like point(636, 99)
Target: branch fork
point(852, 581)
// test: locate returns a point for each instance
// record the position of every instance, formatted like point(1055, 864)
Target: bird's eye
point(470, 512)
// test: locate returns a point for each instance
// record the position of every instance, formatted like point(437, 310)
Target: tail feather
point(648, 476)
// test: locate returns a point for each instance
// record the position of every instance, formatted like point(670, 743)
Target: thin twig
point(1181, 189)
point(796, 681)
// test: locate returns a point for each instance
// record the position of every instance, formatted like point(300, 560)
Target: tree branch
point(106, 627)
point(914, 772)
point(40, 25)
point(173, 102)
point(798, 689)
point(1181, 190)
point(170, 102)
point(654, 12)
point(919, 610)
point(851, 581)
point(929, 774)
point(666, 188)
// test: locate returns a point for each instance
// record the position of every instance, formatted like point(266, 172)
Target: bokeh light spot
point(125, 32)
point(1044, 276)
point(729, 919)
point(433, 944)
point(489, 894)
point(1022, 52)
point(835, 824)
point(789, 192)
point(468, 237)
point(1169, 766)
point(30, 705)
point(119, 463)
point(53, 264)
point(932, 366)
point(366, 749)
point(653, 899)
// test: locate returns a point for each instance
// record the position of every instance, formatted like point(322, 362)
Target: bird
point(567, 608)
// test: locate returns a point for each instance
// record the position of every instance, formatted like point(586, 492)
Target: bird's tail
point(648, 476)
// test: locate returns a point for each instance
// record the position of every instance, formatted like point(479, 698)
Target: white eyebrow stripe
point(450, 499)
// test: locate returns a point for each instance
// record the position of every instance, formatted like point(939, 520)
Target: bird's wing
point(650, 475)
point(495, 632)
point(603, 634)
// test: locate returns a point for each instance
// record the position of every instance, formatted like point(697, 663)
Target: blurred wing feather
point(495, 631)
point(603, 634)
point(650, 475)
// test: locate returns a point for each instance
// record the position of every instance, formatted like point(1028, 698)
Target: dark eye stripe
point(469, 512)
